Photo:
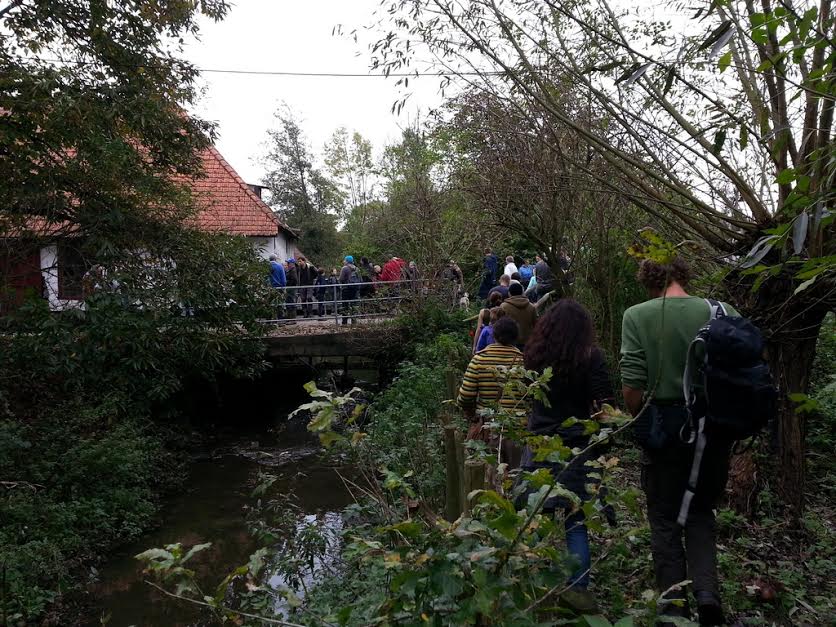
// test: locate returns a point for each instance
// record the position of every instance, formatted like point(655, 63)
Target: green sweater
point(655, 336)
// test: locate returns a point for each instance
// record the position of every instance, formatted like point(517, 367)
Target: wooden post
point(450, 380)
point(460, 457)
point(453, 504)
point(474, 479)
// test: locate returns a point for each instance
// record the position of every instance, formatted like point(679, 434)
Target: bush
point(77, 487)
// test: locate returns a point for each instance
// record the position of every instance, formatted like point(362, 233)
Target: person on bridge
point(349, 280)
point(520, 309)
point(393, 270)
point(564, 340)
point(367, 274)
point(278, 281)
point(307, 279)
point(292, 283)
point(321, 290)
point(277, 275)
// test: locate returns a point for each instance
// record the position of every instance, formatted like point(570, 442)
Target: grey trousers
point(664, 479)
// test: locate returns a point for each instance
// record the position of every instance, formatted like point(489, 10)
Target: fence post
point(474, 479)
point(453, 504)
point(460, 459)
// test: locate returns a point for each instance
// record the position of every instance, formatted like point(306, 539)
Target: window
point(71, 269)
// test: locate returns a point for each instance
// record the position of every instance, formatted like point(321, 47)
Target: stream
point(211, 507)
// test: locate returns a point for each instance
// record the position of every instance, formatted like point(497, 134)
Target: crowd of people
point(511, 332)
point(311, 291)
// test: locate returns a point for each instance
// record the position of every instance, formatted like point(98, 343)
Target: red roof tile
point(228, 204)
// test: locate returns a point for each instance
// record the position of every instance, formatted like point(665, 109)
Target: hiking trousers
point(664, 480)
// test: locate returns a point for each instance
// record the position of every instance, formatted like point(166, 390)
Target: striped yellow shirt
point(483, 384)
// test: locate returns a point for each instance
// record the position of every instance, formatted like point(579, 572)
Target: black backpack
point(728, 389)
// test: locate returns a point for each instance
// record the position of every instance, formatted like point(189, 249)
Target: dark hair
point(494, 299)
point(496, 314)
point(516, 276)
point(506, 331)
point(364, 260)
point(657, 276)
point(563, 338)
point(516, 289)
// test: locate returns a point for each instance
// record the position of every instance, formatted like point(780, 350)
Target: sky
point(296, 36)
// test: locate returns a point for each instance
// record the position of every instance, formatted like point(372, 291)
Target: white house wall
point(278, 245)
point(49, 271)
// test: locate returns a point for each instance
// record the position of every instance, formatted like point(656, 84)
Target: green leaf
point(744, 137)
point(597, 621)
point(197, 548)
point(785, 177)
point(725, 61)
point(256, 561)
point(806, 284)
point(491, 497)
point(719, 140)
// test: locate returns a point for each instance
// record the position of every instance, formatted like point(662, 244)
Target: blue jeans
point(577, 542)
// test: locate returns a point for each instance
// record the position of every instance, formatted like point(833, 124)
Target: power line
point(415, 74)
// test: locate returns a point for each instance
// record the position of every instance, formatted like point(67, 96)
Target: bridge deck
point(321, 338)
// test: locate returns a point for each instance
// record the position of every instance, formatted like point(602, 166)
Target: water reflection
point(212, 508)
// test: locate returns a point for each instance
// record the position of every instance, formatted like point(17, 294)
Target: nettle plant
point(502, 562)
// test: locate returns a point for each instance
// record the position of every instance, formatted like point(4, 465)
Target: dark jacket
point(347, 272)
point(523, 312)
point(491, 266)
point(292, 275)
point(570, 396)
point(502, 289)
point(545, 277)
point(307, 275)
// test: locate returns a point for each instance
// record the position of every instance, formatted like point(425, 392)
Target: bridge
point(340, 331)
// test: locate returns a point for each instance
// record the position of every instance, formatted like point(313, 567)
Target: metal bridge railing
point(346, 302)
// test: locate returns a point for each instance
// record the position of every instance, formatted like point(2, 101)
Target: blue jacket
point(277, 275)
point(485, 338)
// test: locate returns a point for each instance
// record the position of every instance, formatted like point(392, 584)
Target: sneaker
point(582, 601)
point(711, 614)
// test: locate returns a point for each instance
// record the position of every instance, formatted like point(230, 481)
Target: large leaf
point(759, 251)
point(716, 34)
point(799, 232)
point(721, 42)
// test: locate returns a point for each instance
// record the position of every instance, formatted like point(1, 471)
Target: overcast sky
point(273, 35)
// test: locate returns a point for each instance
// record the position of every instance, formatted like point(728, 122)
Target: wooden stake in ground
point(453, 504)
point(474, 479)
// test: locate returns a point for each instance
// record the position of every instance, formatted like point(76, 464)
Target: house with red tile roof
point(226, 204)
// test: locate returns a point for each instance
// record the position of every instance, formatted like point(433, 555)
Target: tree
point(428, 218)
point(93, 134)
point(304, 197)
point(350, 163)
point(728, 141)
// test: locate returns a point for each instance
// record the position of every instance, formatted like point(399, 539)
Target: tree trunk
point(791, 360)
point(791, 327)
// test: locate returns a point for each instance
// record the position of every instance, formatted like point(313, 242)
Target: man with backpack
point(657, 336)
point(349, 280)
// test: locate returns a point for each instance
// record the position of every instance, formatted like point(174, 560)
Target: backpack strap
point(717, 310)
point(699, 449)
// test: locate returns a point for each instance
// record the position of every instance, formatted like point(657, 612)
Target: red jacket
point(392, 270)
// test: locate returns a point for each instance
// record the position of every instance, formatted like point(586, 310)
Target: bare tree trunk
point(791, 361)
